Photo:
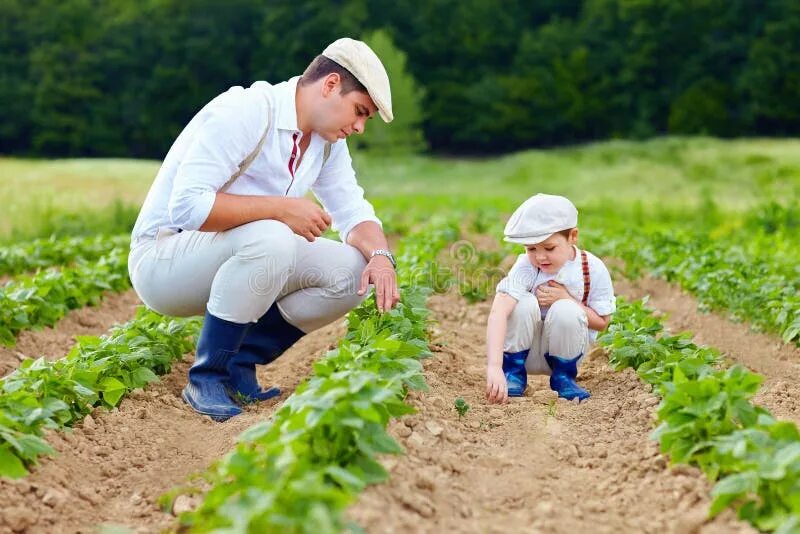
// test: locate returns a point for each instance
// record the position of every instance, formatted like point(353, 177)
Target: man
point(225, 230)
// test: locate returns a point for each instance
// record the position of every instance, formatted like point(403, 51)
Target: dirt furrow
point(760, 352)
point(112, 468)
point(535, 465)
point(55, 342)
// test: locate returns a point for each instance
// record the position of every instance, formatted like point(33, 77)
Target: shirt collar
point(286, 117)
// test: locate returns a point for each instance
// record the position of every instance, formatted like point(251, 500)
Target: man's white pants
point(564, 332)
point(238, 274)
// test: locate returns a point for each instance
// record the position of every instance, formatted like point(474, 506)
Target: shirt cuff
point(194, 217)
point(345, 230)
point(512, 289)
point(604, 307)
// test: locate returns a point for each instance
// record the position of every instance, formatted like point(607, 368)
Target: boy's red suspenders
point(586, 281)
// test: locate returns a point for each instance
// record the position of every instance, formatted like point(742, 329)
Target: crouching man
point(226, 230)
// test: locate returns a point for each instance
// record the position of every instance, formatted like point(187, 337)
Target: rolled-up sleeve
point(229, 132)
point(601, 293)
point(341, 196)
point(519, 281)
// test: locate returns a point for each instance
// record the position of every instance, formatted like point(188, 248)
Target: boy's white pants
point(237, 274)
point(564, 332)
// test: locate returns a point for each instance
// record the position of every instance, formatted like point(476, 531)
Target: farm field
point(691, 427)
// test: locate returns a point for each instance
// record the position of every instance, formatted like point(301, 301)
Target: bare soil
point(115, 465)
point(55, 342)
point(763, 353)
point(537, 464)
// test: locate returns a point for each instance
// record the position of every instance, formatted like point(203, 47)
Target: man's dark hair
point(322, 66)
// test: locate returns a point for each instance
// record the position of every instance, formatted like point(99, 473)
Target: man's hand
point(379, 271)
point(304, 217)
point(496, 385)
point(548, 293)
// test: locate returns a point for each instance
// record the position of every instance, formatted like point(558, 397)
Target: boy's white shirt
point(222, 134)
point(525, 278)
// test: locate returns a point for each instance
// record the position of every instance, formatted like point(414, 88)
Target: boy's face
point(551, 254)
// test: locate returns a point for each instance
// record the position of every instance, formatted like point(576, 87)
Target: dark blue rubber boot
point(516, 375)
point(265, 341)
point(206, 392)
point(562, 380)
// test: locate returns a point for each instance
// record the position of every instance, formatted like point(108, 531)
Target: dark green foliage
point(121, 78)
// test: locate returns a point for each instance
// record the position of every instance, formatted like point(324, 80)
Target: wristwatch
point(382, 252)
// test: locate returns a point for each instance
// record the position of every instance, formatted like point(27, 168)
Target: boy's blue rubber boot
point(562, 380)
point(516, 375)
point(206, 391)
point(265, 341)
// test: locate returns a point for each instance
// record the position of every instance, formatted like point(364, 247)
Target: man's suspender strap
point(586, 281)
point(246, 162)
point(326, 153)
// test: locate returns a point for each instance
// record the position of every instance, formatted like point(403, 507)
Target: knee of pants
point(264, 238)
point(345, 277)
point(566, 314)
point(526, 308)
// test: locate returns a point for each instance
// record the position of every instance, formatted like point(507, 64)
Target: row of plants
point(298, 471)
point(749, 286)
point(44, 298)
point(41, 253)
point(706, 418)
point(747, 267)
point(98, 371)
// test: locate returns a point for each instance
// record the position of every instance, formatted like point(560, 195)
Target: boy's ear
point(573, 236)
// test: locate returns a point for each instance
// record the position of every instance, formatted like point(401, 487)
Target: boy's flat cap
point(539, 217)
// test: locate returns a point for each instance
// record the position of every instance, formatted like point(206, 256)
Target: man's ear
point(330, 83)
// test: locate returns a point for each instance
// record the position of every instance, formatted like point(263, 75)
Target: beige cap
point(362, 63)
point(539, 217)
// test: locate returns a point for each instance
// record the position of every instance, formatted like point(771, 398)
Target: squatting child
point(549, 308)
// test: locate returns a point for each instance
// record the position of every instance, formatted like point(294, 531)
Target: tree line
point(122, 77)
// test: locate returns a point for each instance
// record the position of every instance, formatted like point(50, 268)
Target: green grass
point(38, 196)
point(679, 172)
point(668, 173)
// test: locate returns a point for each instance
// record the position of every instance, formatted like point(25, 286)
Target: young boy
point(550, 306)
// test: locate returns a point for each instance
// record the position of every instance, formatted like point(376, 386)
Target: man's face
point(340, 115)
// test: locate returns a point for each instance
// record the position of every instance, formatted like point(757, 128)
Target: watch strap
point(384, 252)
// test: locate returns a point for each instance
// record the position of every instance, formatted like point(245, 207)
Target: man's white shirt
point(225, 132)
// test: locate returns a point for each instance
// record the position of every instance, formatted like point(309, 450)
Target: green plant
point(42, 299)
point(461, 407)
point(299, 470)
point(30, 256)
point(55, 394)
point(706, 419)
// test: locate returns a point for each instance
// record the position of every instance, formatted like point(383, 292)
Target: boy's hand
point(548, 293)
point(496, 386)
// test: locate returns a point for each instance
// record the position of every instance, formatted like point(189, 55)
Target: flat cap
point(361, 61)
point(539, 217)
